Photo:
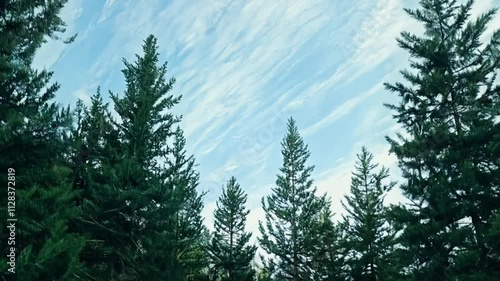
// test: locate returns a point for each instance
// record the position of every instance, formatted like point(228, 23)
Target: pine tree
point(369, 238)
point(199, 268)
point(449, 156)
point(188, 240)
point(95, 152)
point(329, 258)
point(158, 181)
point(34, 147)
point(230, 252)
point(292, 210)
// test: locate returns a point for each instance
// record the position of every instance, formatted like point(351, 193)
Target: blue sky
point(243, 68)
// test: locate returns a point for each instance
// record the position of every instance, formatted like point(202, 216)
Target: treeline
point(102, 196)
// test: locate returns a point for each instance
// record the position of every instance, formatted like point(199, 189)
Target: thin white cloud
point(374, 42)
point(208, 148)
point(335, 115)
point(86, 92)
point(51, 51)
point(341, 111)
point(372, 118)
point(106, 11)
point(84, 96)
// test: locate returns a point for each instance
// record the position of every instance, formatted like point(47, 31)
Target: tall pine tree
point(292, 212)
point(370, 239)
point(33, 145)
point(158, 181)
point(230, 252)
point(449, 155)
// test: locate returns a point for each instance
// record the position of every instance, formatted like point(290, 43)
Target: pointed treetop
point(292, 130)
point(291, 124)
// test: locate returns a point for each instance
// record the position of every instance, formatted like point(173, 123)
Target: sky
point(243, 68)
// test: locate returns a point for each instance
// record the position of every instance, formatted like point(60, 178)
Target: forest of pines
point(102, 196)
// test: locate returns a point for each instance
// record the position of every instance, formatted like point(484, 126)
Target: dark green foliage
point(157, 180)
point(105, 199)
point(137, 188)
point(449, 156)
point(33, 141)
point(369, 238)
point(198, 265)
point(292, 211)
point(180, 215)
point(329, 257)
point(230, 252)
point(95, 153)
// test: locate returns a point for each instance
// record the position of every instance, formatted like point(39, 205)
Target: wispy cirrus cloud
point(339, 112)
point(243, 68)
